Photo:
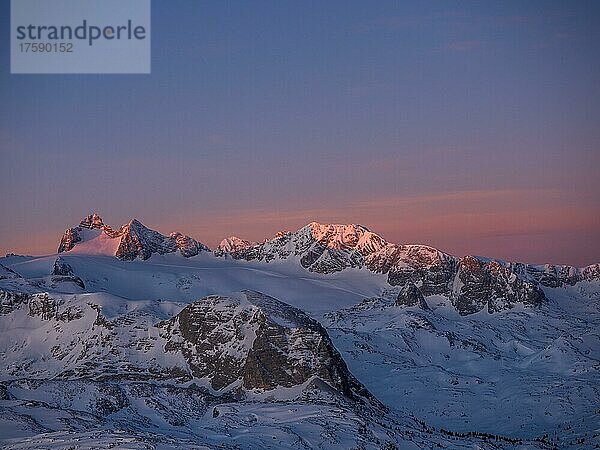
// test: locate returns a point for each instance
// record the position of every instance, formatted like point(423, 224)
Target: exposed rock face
point(43, 306)
point(63, 272)
point(134, 239)
point(4, 395)
point(480, 284)
point(554, 276)
point(237, 343)
point(73, 236)
point(234, 246)
point(93, 221)
point(10, 300)
point(419, 270)
point(139, 241)
point(321, 248)
point(326, 248)
point(410, 295)
point(61, 267)
point(472, 284)
point(39, 304)
point(187, 246)
point(427, 267)
point(257, 342)
point(590, 273)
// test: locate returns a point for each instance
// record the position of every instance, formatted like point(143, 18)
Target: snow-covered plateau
point(327, 337)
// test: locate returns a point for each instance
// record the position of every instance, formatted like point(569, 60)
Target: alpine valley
point(328, 337)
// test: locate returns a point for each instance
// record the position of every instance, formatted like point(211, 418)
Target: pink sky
point(471, 128)
point(509, 224)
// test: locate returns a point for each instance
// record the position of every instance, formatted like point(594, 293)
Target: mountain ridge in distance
point(472, 283)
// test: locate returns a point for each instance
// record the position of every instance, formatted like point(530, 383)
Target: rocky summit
point(131, 241)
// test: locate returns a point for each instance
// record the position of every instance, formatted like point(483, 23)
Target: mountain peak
point(132, 240)
point(320, 229)
point(135, 223)
point(135, 226)
point(345, 237)
point(233, 244)
point(92, 221)
point(323, 248)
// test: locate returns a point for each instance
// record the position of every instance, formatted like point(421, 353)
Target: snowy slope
point(152, 339)
point(521, 373)
point(172, 277)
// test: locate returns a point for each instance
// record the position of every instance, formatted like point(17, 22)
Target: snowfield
point(215, 350)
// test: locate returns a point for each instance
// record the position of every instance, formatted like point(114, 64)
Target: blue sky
point(471, 126)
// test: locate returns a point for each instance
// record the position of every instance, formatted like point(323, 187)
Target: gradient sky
point(470, 126)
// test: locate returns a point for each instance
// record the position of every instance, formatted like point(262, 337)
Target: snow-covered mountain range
point(326, 337)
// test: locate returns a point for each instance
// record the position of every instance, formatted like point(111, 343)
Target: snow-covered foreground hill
point(520, 373)
point(132, 339)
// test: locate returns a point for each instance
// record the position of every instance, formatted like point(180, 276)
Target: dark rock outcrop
point(256, 342)
point(427, 267)
point(40, 305)
point(61, 267)
point(555, 276)
point(63, 272)
point(93, 221)
point(410, 295)
point(187, 246)
point(140, 241)
point(43, 306)
point(4, 394)
point(480, 284)
point(11, 300)
point(71, 237)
